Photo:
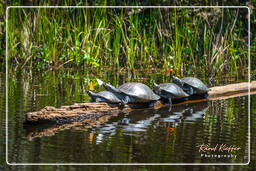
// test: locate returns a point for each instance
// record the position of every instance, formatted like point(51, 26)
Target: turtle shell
point(138, 90)
point(108, 96)
point(195, 83)
point(173, 89)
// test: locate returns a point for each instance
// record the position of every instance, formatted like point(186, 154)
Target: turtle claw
point(125, 100)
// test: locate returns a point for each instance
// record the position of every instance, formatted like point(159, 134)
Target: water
point(141, 136)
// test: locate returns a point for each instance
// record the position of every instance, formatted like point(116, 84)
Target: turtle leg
point(205, 96)
point(170, 103)
point(190, 91)
point(99, 100)
point(169, 98)
point(125, 100)
point(92, 100)
point(152, 104)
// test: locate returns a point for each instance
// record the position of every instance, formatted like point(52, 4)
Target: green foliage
point(186, 40)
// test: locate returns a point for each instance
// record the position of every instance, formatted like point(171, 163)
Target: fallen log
point(42, 130)
point(88, 111)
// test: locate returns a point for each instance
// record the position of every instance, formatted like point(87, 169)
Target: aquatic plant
point(185, 40)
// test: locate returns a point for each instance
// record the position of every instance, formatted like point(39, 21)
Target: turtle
point(192, 86)
point(133, 92)
point(170, 92)
point(103, 96)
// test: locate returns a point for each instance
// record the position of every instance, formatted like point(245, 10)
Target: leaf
point(77, 43)
point(86, 80)
point(189, 31)
point(235, 57)
point(94, 63)
point(91, 86)
point(86, 57)
point(186, 50)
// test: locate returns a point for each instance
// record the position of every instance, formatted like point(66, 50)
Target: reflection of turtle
point(132, 93)
point(195, 113)
point(103, 96)
point(192, 86)
point(124, 121)
point(170, 91)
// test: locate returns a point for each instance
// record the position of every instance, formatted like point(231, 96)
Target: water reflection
point(136, 123)
point(139, 126)
point(169, 136)
point(196, 113)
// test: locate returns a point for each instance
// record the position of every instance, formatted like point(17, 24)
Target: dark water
point(142, 136)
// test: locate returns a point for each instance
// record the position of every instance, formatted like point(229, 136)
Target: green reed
point(185, 40)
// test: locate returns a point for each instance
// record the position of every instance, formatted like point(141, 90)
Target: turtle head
point(106, 86)
point(177, 81)
point(100, 82)
point(110, 88)
point(91, 94)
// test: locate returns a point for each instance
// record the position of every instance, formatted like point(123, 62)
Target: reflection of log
point(50, 129)
point(88, 111)
point(42, 130)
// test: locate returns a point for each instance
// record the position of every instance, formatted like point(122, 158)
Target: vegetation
point(151, 37)
point(185, 40)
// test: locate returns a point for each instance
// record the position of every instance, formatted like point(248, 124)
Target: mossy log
point(87, 112)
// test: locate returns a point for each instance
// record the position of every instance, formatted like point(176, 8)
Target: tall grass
point(185, 40)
